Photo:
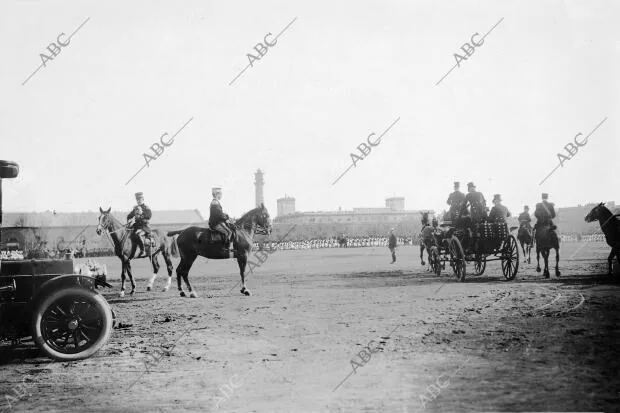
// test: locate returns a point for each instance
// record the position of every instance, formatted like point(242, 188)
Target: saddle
point(147, 240)
point(211, 236)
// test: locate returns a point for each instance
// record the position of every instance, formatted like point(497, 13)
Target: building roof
point(62, 219)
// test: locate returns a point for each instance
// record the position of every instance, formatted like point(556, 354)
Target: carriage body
point(63, 312)
point(462, 242)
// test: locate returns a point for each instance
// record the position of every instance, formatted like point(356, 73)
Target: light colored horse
point(125, 247)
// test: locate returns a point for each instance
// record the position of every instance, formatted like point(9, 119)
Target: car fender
point(65, 281)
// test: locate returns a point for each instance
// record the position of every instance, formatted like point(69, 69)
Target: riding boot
point(140, 246)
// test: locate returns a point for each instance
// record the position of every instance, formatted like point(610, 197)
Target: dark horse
point(546, 238)
point(524, 235)
point(426, 238)
point(195, 241)
point(342, 241)
point(611, 228)
point(125, 249)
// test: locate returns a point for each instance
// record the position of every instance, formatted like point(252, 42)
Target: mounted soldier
point(141, 214)
point(498, 213)
point(455, 200)
point(544, 213)
point(524, 218)
point(218, 220)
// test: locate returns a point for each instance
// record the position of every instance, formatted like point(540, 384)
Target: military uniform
point(141, 214)
point(141, 218)
point(392, 246)
point(544, 213)
point(455, 200)
point(525, 219)
point(218, 219)
point(478, 206)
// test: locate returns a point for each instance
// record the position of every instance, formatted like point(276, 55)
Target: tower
point(286, 206)
point(258, 187)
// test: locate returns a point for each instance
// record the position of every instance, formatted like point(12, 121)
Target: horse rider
point(524, 218)
point(498, 213)
point(141, 214)
point(455, 200)
point(424, 219)
point(392, 245)
point(218, 220)
point(544, 213)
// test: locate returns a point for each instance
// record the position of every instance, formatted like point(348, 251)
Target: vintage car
point(67, 318)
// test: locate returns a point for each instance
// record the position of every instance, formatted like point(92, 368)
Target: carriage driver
point(544, 213)
point(498, 213)
point(218, 220)
point(141, 215)
point(524, 218)
point(455, 200)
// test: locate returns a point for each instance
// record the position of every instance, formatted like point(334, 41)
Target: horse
point(610, 227)
point(197, 241)
point(342, 241)
point(524, 235)
point(546, 238)
point(125, 249)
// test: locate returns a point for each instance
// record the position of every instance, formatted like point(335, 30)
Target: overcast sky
point(341, 71)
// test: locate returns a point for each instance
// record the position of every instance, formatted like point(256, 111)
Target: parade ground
point(343, 330)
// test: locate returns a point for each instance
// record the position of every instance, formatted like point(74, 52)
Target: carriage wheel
point(510, 258)
point(480, 264)
point(435, 261)
point(457, 258)
point(72, 324)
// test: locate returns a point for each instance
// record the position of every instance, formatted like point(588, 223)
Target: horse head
point(263, 219)
point(257, 217)
point(595, 214)
point(104, 220)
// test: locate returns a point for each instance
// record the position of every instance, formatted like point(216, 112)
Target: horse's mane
point(246, 217)
point(114, 219)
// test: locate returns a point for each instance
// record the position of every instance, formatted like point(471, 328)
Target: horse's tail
point(174, 248)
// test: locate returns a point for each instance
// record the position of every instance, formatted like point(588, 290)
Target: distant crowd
point(350, 242)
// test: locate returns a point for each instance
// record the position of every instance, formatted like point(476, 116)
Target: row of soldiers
point(474, 205)
point(352, 242)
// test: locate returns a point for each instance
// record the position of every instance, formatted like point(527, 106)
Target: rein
point(608, 219)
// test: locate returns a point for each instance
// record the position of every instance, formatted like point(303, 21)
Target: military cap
point(139, 195)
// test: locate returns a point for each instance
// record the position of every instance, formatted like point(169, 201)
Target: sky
point(80, 126)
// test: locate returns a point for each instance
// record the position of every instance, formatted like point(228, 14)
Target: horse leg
point(537, 260)
point(133, 284)
point(183, 271)
point(523, 246)
point(242, 260)
point(557, 262)
point(123, 270)
point(610, 261)
point(155, 263)
point(422, 254)
point(545, 254)
point(169, 267)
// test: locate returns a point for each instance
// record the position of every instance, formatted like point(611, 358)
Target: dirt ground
point(342, 330)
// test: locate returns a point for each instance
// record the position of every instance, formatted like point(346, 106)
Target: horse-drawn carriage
point(461, 242)
point(63, 313)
